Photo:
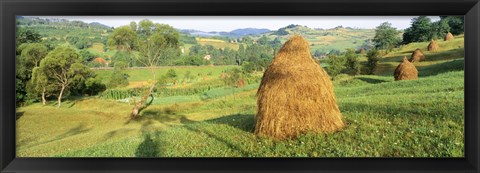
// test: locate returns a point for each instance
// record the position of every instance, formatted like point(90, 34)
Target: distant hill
point(325, 40)
point(248, 31)
point(233, 34)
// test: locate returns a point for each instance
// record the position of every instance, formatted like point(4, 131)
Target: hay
point(240, 83)
point(417, 56)
point(433, 46)
point(296, 95)
point(362, 51)
point(405, 71)
point(449, 36)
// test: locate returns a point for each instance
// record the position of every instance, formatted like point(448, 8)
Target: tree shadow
point(244, 122)
point(165, 115)
point(219, 138)
point(148, 148)
point(18, 115)
point(371, 80)
point(80, 129)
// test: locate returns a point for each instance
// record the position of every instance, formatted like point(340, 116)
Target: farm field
point(384, 118)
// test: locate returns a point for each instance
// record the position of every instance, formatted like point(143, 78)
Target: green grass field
point(385, 118)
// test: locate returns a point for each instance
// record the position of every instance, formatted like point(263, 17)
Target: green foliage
point(373, 56)
point(440, 29)
point(422, 29)
point(94, 86)
point(419, 30)
point(169, 77)
point(280, 32)
point(335, 65)
point(456, 24)
point(386, 36)
point(26, 35)
point(353, 64)
point(30, 56)
point(62, 68)
point(118, 78)
point(123, 38)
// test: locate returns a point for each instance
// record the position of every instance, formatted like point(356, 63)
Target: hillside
point(385, 118)
point(326, 40)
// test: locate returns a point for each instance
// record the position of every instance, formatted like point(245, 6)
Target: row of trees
point(422, 29)
point(42, 74)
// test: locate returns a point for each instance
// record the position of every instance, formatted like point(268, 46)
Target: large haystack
point(433, 46)
point(417, 56)
point(405, 71)
point(449, 36)
point(296, 95)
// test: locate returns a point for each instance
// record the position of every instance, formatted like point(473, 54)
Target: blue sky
point(228, 23)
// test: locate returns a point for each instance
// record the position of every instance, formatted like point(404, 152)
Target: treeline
point(421, 29)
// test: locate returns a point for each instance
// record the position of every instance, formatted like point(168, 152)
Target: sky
point(229, 23)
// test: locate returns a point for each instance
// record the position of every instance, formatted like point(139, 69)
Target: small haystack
point(433, 46)
point(417, 56)
point(449, 36)
point(240, 83)
point(405, 71)
point(362, 51)
point(296, 95)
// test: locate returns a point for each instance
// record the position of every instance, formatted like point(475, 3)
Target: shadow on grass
point(18, 115)
point(165, 115)
point(219, 138)
point(148, 148)
point(454, 65)
point(80, 129)
point(244, 122)
point(370, 80)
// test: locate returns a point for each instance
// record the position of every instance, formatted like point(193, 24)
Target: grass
point(139, 75)
point(419, 125)
point(385, 118)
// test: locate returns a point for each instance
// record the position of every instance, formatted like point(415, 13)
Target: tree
point(30, 56)
point(419, 31)
point(231, 78)
point(373, 56)
point(263, 40)
point(94, 85)
point(335, 65)
point(439, 29)
point(386, 36)
point(24, 35)
point(63, 67)
point(133, 26)
point(40, 84)
point(124, 39)
point(159, 45)
point(118, 76)
point(456, 24)
point(353, 65)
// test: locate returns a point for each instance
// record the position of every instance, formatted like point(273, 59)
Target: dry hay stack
point(433, 46)
point(362, 51)
point(449, 36)
point(417, 56)
point(240, 83)
point(405, 71)
point(296, 95)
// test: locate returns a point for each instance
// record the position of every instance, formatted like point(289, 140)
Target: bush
point(373, 57)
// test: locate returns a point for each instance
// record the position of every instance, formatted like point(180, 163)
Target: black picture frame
point(10, 8)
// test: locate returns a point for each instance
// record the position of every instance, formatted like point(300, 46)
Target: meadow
point(385, 118)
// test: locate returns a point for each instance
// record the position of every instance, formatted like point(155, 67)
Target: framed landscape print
point(216, 86)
